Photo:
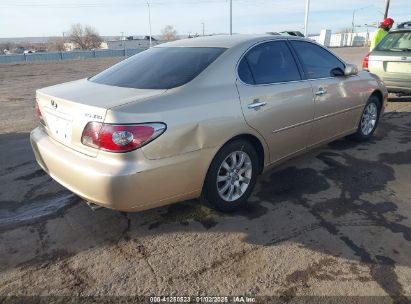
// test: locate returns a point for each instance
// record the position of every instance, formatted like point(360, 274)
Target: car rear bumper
point(130, 182)
point(397, 85)
point(398, 88)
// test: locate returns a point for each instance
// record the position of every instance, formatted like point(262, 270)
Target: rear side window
point(244, 72)
point(400, 41)
point(269, 62)
point(159, 68)
point(317, 62)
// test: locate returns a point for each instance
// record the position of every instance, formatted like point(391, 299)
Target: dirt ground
point(334, 222)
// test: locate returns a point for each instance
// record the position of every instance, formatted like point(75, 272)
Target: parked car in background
point(292, 33)
point(405, 25)
point(199, 117)
point(391, 60)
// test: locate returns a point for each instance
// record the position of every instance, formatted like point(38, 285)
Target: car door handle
point(321, 92)
point(257, 104)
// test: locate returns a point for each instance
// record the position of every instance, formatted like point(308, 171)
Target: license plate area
point(60, 126)
point(398, 67)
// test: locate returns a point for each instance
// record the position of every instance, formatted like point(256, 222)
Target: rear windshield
point(159, 68)
point(399, 41)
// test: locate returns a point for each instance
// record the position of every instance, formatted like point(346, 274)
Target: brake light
point(38, 112)
point(366, 61)
point(120, 138)
point(91, 133)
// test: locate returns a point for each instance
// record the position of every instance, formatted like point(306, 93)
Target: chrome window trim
point(335, 77)
point(271, 84)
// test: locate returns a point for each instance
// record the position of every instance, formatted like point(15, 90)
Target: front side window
point(317, 62)
point(159, 68)
point(269, 62)
point(400, 42)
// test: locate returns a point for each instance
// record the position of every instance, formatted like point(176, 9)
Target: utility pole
point(387, 7)
point(231, 17)
point(307, 12)
point(123, 43)
point(149, 19)
point(353, 22)
point(203, 27)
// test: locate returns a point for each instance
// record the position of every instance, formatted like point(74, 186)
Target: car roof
point(222, 41)
point(400, 30)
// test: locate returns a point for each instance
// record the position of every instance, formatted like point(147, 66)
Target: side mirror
point(337, 72)
point(350, 70)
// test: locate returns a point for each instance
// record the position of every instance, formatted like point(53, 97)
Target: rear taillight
point(38, 112)
point(120, 138)
point(366, 61)
point(91, 133)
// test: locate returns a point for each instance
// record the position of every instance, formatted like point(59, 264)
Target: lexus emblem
point(403, 58)
point(53, 104)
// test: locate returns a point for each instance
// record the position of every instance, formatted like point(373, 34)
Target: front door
point(335, 95)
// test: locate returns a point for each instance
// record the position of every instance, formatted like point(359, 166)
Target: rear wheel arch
point(253, 140)
point(230, 181)
point(256, 143)
point(380, 97)
point(369, 118)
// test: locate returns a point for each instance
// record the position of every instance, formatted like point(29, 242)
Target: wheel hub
point(369, 119)
point(234, 176)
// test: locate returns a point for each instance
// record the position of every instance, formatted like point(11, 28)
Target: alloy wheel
point(234, 176)
point(369, 119)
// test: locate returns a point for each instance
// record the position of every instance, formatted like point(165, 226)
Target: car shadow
point(394, 98)
point(341, 199)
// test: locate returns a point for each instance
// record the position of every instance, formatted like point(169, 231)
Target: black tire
point(360, 135)
point(211, 188)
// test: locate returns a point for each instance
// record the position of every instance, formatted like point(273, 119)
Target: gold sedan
point(199, 117)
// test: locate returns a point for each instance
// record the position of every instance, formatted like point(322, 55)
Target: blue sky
point(27, 18)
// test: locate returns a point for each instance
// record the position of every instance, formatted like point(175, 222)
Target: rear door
point(337, 99)
point(275, 100)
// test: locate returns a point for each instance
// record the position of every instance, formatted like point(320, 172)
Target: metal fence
point(55, 56)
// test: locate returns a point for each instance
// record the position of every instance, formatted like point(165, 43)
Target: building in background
point(328, 39)
point(132, 42)
point(70, 46)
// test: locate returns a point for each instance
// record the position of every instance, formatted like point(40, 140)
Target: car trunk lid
point(69, 107)
point(391, 64)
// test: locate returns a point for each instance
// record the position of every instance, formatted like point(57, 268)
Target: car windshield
point(159, 68)
point(397, 41)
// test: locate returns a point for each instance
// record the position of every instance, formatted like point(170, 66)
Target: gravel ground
point(334, 222)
